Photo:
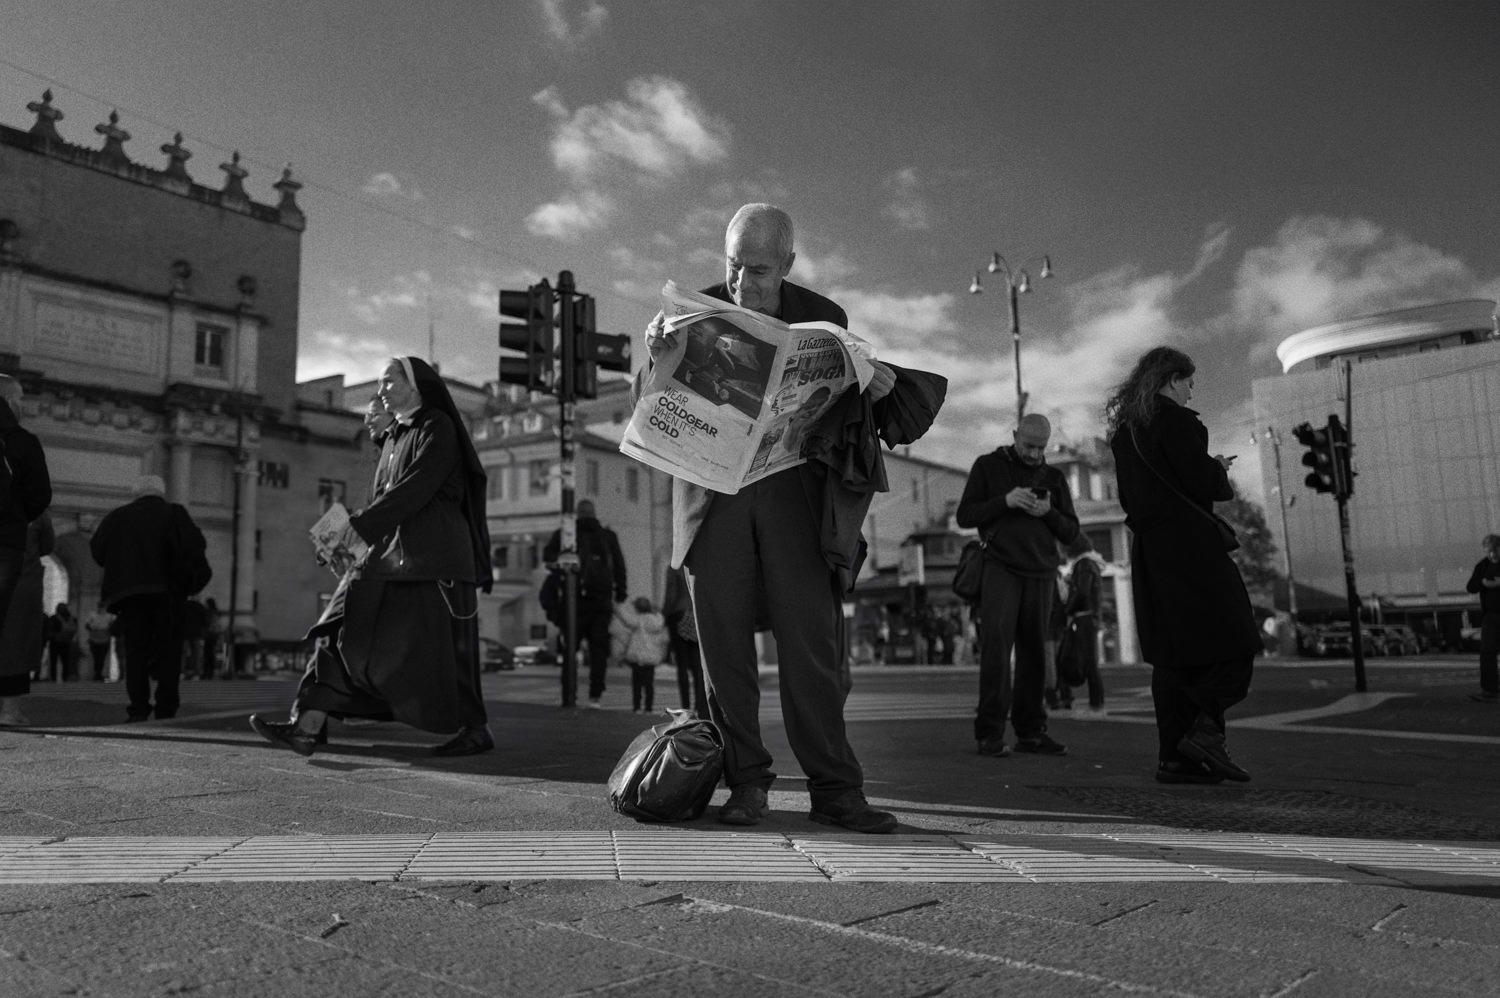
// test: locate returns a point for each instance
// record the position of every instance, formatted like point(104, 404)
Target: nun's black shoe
point(284, 733)
point(470, 741)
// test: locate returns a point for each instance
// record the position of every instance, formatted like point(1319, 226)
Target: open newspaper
point(335, 543)
point(733, 400)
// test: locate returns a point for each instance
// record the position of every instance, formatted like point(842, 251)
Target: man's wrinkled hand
point(659, 341)
point(881, 382)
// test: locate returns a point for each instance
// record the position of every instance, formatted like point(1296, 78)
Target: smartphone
point(1040, 493)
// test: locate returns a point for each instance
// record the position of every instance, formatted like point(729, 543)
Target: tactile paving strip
point(515, 856)
point(1141, 864)
point(902, 858)
point(684, 855)
point(108, 860)
point(310, 857)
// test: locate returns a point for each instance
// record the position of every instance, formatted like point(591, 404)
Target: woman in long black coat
point(399, 639)
point(1193, 615)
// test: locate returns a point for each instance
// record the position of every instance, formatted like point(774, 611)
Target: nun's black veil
point(429, 385)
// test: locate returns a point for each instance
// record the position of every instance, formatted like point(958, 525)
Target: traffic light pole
point(526, 328)
point(1356, 642)
point(568, 553)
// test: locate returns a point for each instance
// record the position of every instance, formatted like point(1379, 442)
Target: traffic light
point(1343, 454)
point(1319, 457)
point(526, 328)
point(585, 365)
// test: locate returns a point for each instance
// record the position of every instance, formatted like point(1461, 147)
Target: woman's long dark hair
point(1134, 400)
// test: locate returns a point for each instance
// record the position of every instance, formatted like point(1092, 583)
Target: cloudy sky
point(1214, 175)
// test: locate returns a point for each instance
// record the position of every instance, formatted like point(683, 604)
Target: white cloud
point(818, 270)
point(403, 293)
point(1320, 269)
point(907, 208)
point(572, 21)
point(571, 216)
point(393, 186)
point(331, 351)
point(657, 132)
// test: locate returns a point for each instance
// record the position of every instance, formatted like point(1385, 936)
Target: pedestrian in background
point(213, 638)
point(1193, 615)
point(682, 629)
point(1078, 647)
point(194, 627)
point(640, 641)
point(1485, 582)
point(98, 627)
point(21, 629)
point(146, 547)
point(1023, 508)
point(601, 585)
point(25, 493)
point(62, 643)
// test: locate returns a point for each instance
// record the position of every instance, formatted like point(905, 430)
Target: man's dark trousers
point(1182, 696)
point(1013, 612)
point(762, 546)
point(151, 640)
point(1489, 653)
point(594, 615)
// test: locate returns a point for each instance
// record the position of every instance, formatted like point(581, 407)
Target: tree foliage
point(1256, 556)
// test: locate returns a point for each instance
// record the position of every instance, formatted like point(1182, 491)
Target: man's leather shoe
point(746, 806)
point(1206, 745)
point(1181, 771)
point(469, 741)
point(284, 733)
point(995, 748)
point(851, 810)
point(1041, 744)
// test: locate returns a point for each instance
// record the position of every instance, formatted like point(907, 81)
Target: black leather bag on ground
point(669, 772)
point(970, 570)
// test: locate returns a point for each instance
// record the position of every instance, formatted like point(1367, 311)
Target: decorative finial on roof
point(288, 188)
point(47, 118)
point(177, 158)
point(115, 138)
point(234, 182)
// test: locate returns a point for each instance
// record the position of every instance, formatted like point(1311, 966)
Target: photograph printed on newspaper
point(732, 402)
point(335, 544)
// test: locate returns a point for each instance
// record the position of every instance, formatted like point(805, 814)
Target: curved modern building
point(1420, 391)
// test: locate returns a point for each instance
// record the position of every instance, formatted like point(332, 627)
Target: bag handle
point(1175, 490)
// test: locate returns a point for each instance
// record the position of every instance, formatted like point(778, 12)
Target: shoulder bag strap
point(1165, 481)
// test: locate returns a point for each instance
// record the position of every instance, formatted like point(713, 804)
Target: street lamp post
point(1017, 283)
point(1286, 541)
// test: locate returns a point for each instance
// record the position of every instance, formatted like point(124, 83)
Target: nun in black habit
point(399, 640)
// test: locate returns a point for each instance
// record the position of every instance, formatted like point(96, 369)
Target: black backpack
point(596, 565)
point(551, 597)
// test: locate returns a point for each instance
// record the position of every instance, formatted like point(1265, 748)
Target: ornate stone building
point(153, 323)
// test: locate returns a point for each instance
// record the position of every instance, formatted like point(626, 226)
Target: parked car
point(1333, 641)
point(534, 655)
point(1395, 639)
point(495, 656)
